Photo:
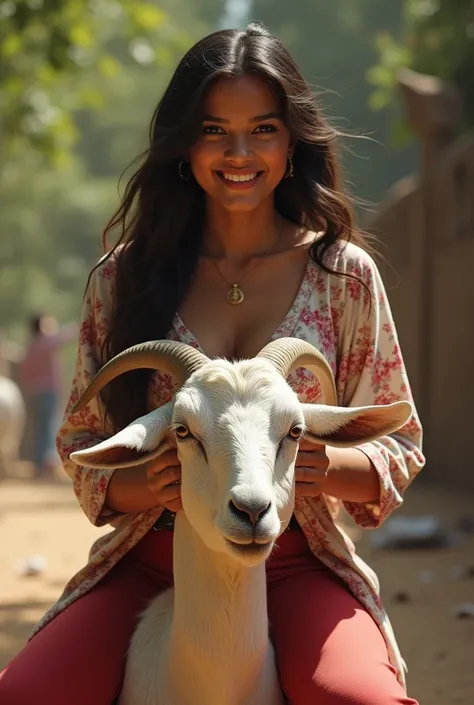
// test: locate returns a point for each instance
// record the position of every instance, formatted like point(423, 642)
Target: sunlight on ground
point(46, 520)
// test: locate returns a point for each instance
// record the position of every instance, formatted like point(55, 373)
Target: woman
point(234, 231)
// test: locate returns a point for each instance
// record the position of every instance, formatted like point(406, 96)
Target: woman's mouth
point(239, 181)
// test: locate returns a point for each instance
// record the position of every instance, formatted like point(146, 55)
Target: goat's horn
point(170, 356)
point(288, 353)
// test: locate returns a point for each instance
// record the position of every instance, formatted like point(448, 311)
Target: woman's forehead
point(246, 96)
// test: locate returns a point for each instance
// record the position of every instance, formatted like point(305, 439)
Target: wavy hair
point(161, 216)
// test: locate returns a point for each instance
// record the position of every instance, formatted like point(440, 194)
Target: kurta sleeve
point(371, 371)
point(87, 427)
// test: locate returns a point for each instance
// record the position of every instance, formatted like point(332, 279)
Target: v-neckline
point(289, 322)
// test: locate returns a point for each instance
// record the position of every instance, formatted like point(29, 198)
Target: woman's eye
point(182, 431)
point(215, 130)
point(265, 129)
point(212, 130)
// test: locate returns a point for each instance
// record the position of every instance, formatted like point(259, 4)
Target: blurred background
point(78, 83)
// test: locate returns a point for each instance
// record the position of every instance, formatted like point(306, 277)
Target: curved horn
point(170, 356)
point(288, 353)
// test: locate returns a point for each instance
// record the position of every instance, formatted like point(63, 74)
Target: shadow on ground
point(17, 620)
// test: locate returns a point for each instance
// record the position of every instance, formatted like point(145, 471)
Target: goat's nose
point(252, 511)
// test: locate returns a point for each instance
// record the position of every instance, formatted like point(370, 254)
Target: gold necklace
point(235, 295)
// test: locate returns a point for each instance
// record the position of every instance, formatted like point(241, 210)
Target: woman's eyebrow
point(266, 116)
point(213, 118)
point(257, 118)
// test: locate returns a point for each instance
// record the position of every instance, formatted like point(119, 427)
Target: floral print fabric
point(355, 332)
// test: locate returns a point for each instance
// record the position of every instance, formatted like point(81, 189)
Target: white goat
point(12, 425)
point(236, 425)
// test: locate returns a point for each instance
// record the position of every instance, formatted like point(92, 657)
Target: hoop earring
point(181, 173)
point(290, 171)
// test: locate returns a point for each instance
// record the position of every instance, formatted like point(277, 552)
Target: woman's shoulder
point(350, 258)
point(102, 277)
point(100, 288)
point(105, 268)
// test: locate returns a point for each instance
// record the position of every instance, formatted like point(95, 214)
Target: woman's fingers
point(171, 497)
point(164, 480)
point(310, 480)
point(306, 445)
point(175, 505)
point(170, 493)
point(168, 459)
point(312, 459)
point(307, 489)
point(165, 477)
point(310, 475)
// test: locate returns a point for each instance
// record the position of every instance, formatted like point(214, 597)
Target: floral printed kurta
point(358, 338)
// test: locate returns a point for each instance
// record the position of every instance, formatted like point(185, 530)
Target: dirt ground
point(420, 587)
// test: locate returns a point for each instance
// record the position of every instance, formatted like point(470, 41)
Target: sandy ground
point(438, 647)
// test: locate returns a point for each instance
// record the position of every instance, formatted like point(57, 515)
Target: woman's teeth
point(235, 177)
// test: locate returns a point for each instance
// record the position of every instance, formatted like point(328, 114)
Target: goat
point(236, 426)
point(12, 425)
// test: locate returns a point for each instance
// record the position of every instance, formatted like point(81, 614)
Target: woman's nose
point(239, 149)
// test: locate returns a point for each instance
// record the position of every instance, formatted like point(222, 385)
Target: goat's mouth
point(254, 549)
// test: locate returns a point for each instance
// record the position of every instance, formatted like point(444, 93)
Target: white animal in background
point(12, 425)
point(236, 426)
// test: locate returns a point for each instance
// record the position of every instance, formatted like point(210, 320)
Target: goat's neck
point(220, 614)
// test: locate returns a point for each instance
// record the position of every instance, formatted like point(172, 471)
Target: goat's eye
point(295, 433)
point(182, 431)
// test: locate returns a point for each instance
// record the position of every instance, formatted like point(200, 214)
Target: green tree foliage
point(58, 174)
point(437, 38)
point(49, 47)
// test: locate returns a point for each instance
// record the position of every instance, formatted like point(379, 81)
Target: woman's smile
point(240, 180)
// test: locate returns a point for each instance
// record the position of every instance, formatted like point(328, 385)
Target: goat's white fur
point(206, 641)
point(12, 425)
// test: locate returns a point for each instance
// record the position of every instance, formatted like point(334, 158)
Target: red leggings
point(329, 650)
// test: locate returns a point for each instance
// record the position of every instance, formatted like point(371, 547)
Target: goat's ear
point(350, 426)
point(137, 443)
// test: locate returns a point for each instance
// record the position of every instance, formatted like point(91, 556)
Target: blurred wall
point(427, 226)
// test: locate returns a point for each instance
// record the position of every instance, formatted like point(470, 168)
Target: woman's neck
point(240, 236)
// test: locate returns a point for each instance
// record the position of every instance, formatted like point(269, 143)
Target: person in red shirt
point(40, 377)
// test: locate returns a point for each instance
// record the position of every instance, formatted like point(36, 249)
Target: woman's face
point(242, 152)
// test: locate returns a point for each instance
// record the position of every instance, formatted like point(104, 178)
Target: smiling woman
point(245, 146)
point(234, 231)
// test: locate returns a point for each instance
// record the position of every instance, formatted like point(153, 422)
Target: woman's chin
point(241, 202)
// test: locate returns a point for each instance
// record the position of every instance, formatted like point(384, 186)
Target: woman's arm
point(106, 494)
point(351, 476)
point(371, 370)
point(88, 427)
point(128, 491)
point(143, 487)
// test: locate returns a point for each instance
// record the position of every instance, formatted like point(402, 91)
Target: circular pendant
point(235, 295)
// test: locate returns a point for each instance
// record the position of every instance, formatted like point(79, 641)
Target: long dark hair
point(161, 215)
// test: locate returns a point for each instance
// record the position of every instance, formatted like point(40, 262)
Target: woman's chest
point(313, 320)
point(235, 319)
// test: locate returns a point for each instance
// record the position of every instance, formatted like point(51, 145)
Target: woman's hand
point(344, 473)
point(313, 464)
point(164, 480)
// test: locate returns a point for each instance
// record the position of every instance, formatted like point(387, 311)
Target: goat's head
point(236, 427)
